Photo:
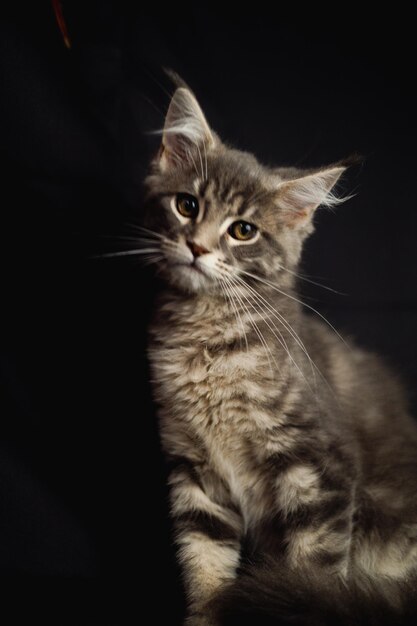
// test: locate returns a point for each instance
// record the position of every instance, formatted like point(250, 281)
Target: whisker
point(161, 239)
point(291, 297)
point(309, 280)
point(314, 368)
point(275, 313)
point(255, 327)
point(281, 319)
point(131, 239)
point(235, 310)
point(251, 302)
point(135, 252)
point(156, 259)
point(146, 230)
point(274, 330)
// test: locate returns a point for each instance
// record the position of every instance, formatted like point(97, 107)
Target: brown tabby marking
point(281, 438)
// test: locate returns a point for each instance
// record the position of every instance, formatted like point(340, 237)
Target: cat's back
point(374, 406)
point(369, 392)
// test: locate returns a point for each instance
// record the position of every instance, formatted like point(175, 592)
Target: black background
point(83, 531)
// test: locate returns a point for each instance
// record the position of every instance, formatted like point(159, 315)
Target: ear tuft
point(186, 135)
point(300, 197)
point(352, 160)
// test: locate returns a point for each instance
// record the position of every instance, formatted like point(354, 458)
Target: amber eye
point(187, 205)
point(242, 231)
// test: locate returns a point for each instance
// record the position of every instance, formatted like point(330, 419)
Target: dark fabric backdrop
point(82, 498)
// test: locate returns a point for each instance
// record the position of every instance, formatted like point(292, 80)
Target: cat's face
point(218, 215)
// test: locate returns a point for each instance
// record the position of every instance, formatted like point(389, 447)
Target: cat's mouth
point(192, 267)
point(191, 275)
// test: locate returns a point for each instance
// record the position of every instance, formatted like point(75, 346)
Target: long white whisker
point(280, 338)
point(135, 252)
point(277, 334)
point(130, 238)
point(274, 330)
point(254, 325)
point(309, 280)
point(161, 239)
point(156, 259)
point(146, 230)
point(291, 331)
point(274, 312)
point(140, 241)
point(229, 297)
point(295, 336)
point(291, 297)
point(272, 326)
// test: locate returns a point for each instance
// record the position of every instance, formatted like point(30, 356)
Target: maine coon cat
point(293, 458)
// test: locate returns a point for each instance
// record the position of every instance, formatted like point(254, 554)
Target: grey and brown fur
point(294, 459)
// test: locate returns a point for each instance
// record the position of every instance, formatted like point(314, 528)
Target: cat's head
point(218, 213)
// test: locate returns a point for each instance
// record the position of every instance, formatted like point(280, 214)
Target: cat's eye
point(187, 205)
point(242, 231)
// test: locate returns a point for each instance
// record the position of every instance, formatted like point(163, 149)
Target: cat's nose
point(196, 249)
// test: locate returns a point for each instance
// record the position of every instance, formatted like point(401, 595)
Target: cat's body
point(286, 445)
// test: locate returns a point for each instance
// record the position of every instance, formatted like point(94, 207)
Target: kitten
point(294, 459)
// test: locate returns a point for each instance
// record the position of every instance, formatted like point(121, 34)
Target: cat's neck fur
point(204, 336)
point(214, 321)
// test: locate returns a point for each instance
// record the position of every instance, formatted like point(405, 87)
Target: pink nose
point(196, 249)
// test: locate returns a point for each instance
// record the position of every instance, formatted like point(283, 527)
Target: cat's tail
point(269, 596)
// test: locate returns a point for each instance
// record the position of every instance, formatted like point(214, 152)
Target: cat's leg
point(316, 507)
point(208, 539)
point(323, 543)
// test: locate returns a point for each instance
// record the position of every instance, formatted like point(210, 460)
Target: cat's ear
point(186, 136)
point(299, 198)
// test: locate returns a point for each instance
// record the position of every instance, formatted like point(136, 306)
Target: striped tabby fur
point(293, 457)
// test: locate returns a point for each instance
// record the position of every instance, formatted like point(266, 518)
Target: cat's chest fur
point(215, 395)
